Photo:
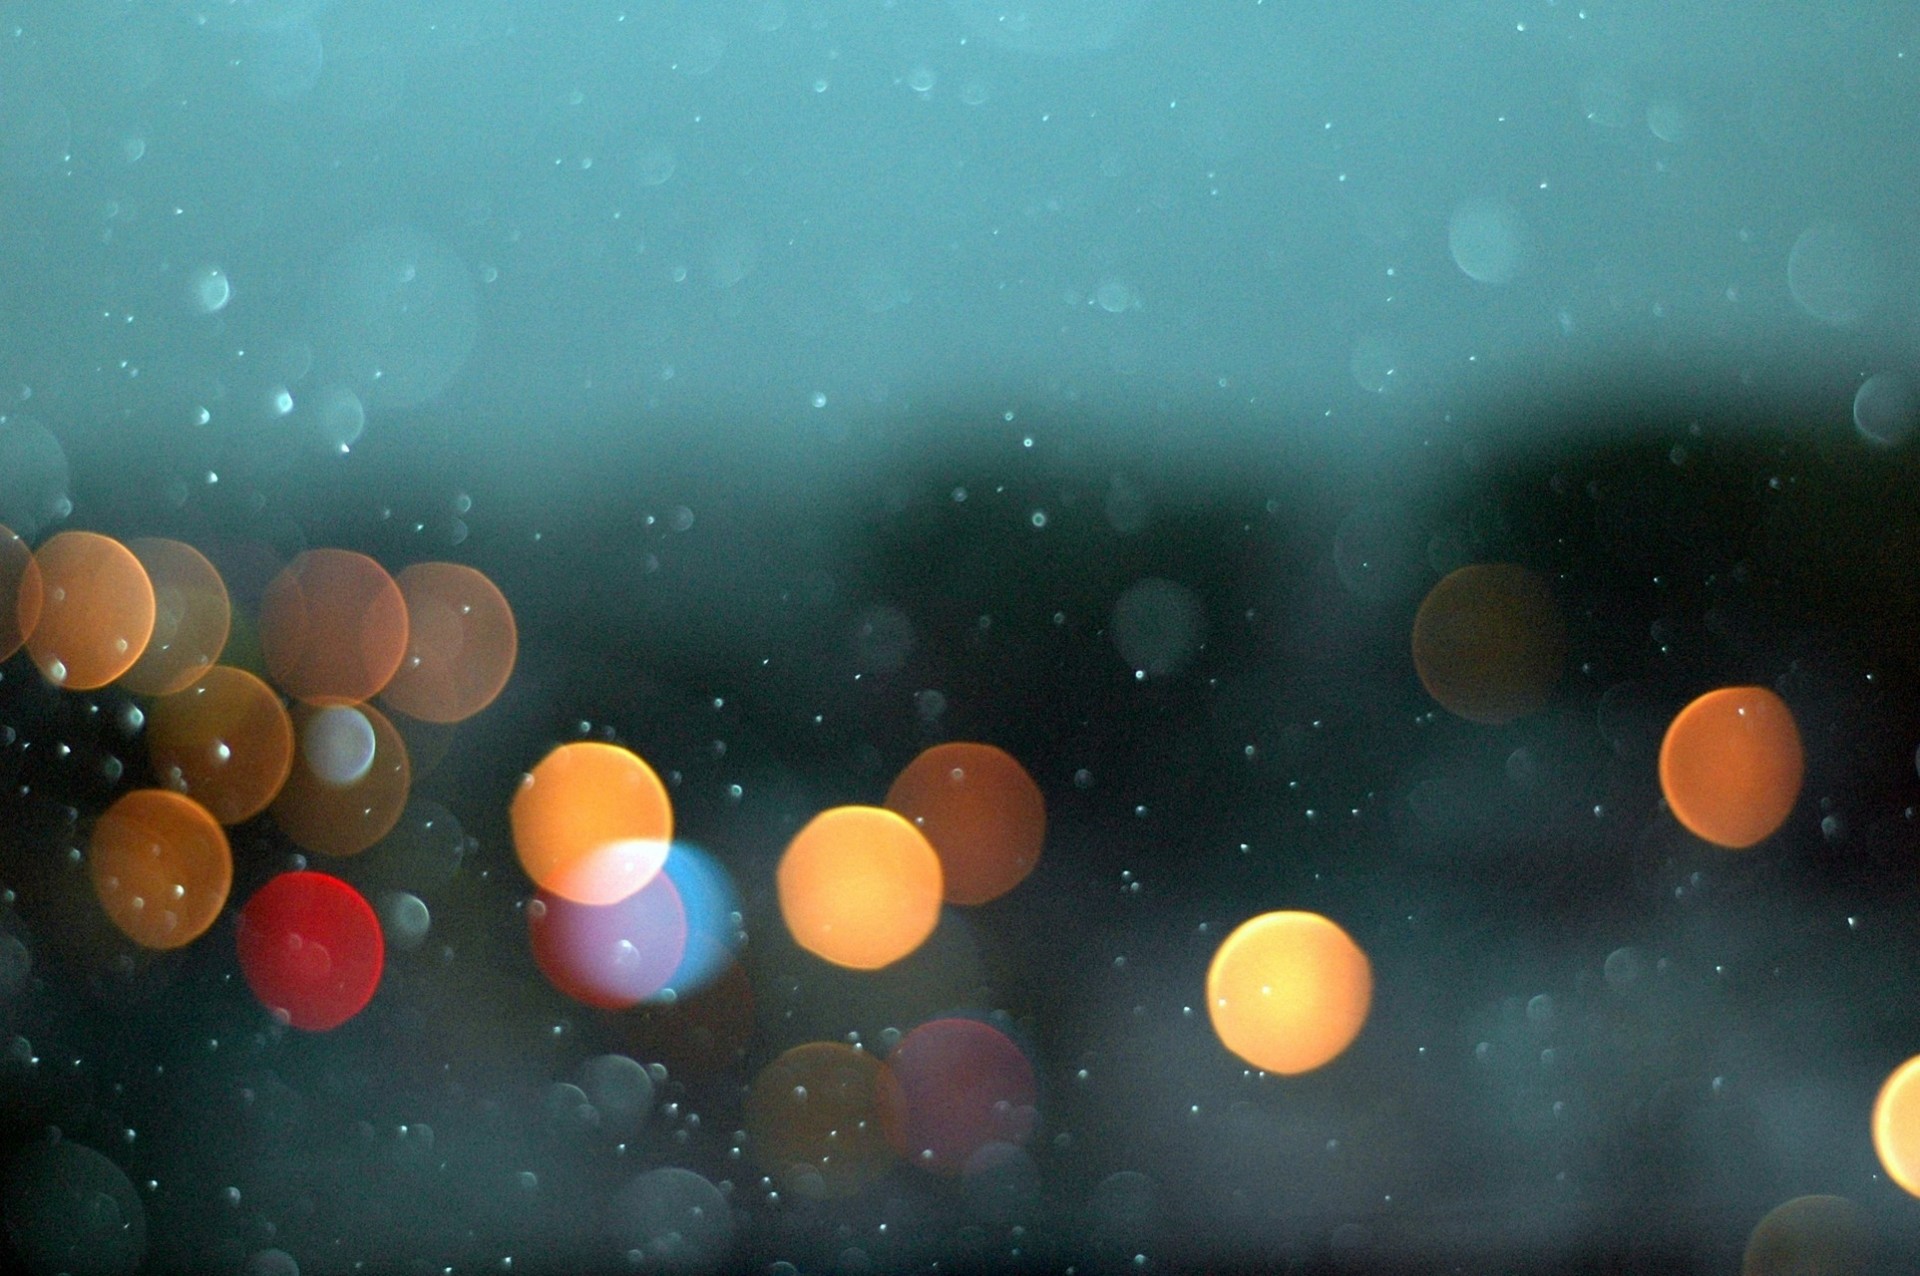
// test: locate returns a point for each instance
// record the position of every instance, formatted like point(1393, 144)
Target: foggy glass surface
point(1107, 381)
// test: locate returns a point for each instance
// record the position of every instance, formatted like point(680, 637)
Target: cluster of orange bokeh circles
point(859, 886)
point(296, 735)
point(862, 886)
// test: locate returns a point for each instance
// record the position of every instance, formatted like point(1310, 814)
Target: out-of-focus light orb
point(1731, 766)
point(208, 290)
point(1896, 1126)
point(1489, 643)
point(404, 920)
point(1489, 241)
point(342, 418)
point(677, 1222)
point(192, 617)
point(160, 866)
point(1158, 625)
point(310, 949)
point(592, 823)
point(333, 627)
point(981, 811)
point(397, 315)
point(860, 887)
point(713, 919)
point(1000, 1185)
point(21, 592)
point(1810, 1236)
point(34, 477)
point(226, 742)
point(270, 1262)
point(951, 1087)
point(1835, 273)
point(1886, 409)
point(16, 963)
point(346, 817)
point(813, 1121)
point(337, 744)
point(621, 1093)
point(611, 956)
point(70, 1209)
point(883, 638)
point(568, 1111)
point(461, 643)
point(1288, 991)
point(96, 612)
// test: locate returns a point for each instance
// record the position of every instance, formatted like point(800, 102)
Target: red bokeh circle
point(951, 1087)
point(311, 949)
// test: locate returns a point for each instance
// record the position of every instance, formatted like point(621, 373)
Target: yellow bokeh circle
point(859, 886)
point(1896, 1126)
point(1288, 991)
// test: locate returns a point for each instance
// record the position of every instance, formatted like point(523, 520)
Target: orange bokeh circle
point(461, 643)
point(1288, 991)
point(1488, 642)
point(592, 823)
point(225, 741)
point(96, 613)
point(20, 592)
point(192, 616)
point(860, 887)
point(1896, 1126)
point(333, 627)
point(161, 867)
point(981, 811)
point(1810, 1236)
point(335, 818)
point(813, 1120)
point(1731, 766)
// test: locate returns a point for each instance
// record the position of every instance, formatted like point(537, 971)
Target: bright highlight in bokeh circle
point(592, 823)
point(337, 743)
point(331, 802)
point(1288, 991)
point(981, 811)
point(1731, 766)
point(860, 887)
point(160, 867)
point(1896, 1126)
